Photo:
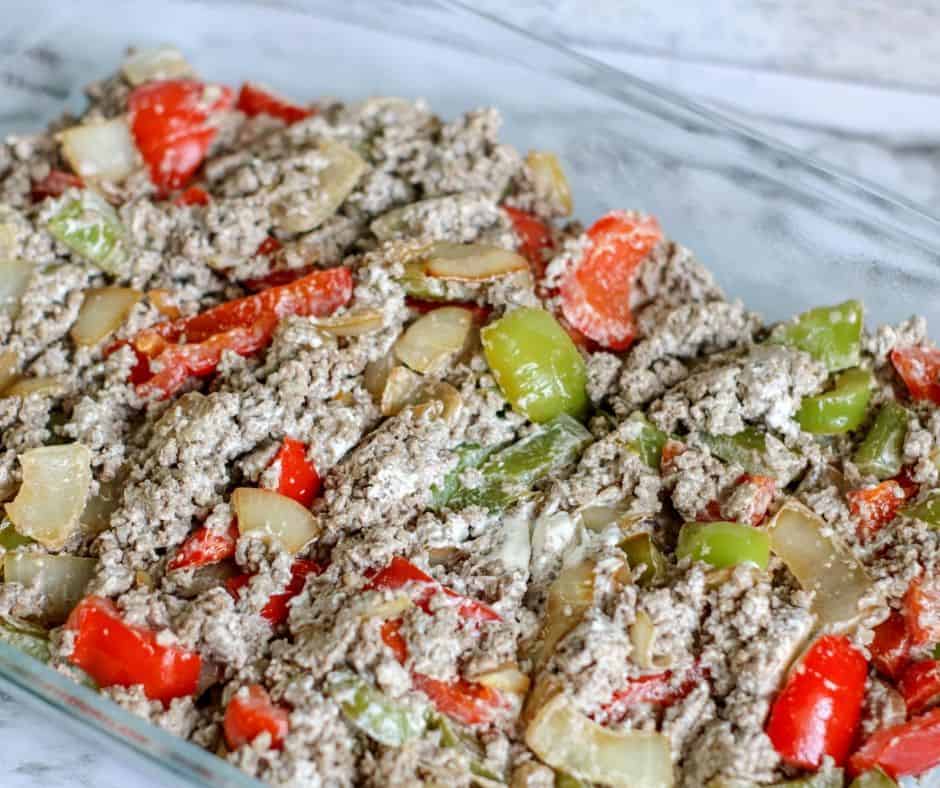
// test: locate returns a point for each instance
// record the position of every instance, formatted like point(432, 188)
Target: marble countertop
point(855, 86)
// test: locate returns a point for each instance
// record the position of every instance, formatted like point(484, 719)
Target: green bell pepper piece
point(936, 651)
point(745, 448)
point(10, 538)
point(90, 227)
point(452, 738)
point(881, 453)
point(874, 778)
point(830, 334)
point(27, 638)
point(510, 473)
point(648, 441)
point(641, 551)
point(373, 712)
point(537, 366)
point(839, 410)
point(723, 544)
point(469, 455)
point(927, 511)
point(564, 780)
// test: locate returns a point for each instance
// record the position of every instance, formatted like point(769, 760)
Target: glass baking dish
point(779, 230)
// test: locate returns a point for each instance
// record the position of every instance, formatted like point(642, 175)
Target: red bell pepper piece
point(876, 506)
point(194, 195)
point(283, 276)
point(55, 184)
point(170, 122)
point(249, 715)
point(255, 100)
point(481, 312)
point(920, 685)
point(178, 363)
point(299, 479)
point(269, 246)
point(710, 513)
point(922, 611)
point(114, 652)
point(671, 450)
point(535, 238)
point(203, 547)
point(401, 572)
point(595, 293)
point(278, 606)
point(891, 646)
point(318, 294)
point(817, 713)
point(766, 487)
point(657, 689)
point(909, 748)
point(919, 368)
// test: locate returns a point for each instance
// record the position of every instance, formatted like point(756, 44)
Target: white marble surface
point(855, 84)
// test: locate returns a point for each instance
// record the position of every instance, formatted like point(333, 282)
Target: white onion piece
point(14, 279)
point(103, 311)
point(550, 178)
point(352, 324)
point(401, 385)
point(274, 517)
point(470, 262)
point(515, 548)
point(9, 369)
point(100, 149)
point(820, 564)
point(45, 385)
point(643, 638)
point(376, 373)
point(97, 514)
point(438, 391)
point(567, 740)
point(378, 606)
point(505, 678)
point(568, 598)
point(434, 338)
point(164, 62)
point(61, 578)
point(53, 494)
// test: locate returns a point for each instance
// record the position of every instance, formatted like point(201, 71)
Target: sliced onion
point(434, 338)
point(438, 391)
point(550, 178)
point(567, 740)
point(45, 385)
point(376, 373)
point(302, 213)
point(470, 262)
point(378, 606)
point(515, 548)
point(164, 62)
point(401, 385)
point(597, 518)
point(274, 517)
point(61, 578)
point(53, 494)
point(9, 369)
point(505, 678)
point(643, 638)
point(97, 514)
point(353, 324)
point(103, 311)
point(14, 279)
point(568, 598)
point(820, 565)
point(102, 149)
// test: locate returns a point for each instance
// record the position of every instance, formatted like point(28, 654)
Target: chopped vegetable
point(9, 371)
point(909, 748)
point(595, 293)
point(90, 227)
point(469, 455)
point(465, 701)
point(830, 334)
point(509, 474)
point(355, 323)
point(550, 178)
point(841, 409)
point(819, 564)
point(876, 506)
point(370, 710)
point(114, 652)
point(920, 685)
point(14, 279)
point(433, 339)
point(334, 183)
point(643, 639)
point(250, 713)
point(747, 448)
point(724, 544)
point(44, 385)
point(170, 122)
point(60, 578)
point(299, 479)
point(100, 149)
point(535, 239)
point(873, 779)
point(927, 510)
point(11, 540)
point(103, 311)
point(648, 440)
point(890, 649)
point(277, 609)
point(567, 740)
point(569, 596)
point(537, 366)
point(203, 547)
point(881, 453)
point(55, 184)
point(50, 501)
point(922, 610)
point(657, 689)
point(164, 62)
point(817, 712)
point(256, 100)
point(642, 552)
point(919, 368)
point(28, 639)
point(274, 517)
point(765, 487)
point(505, 678)
point(193, 195)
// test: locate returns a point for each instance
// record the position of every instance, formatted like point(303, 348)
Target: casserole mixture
point(331, 444)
